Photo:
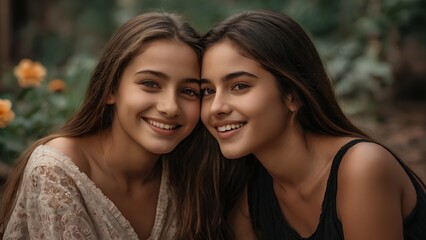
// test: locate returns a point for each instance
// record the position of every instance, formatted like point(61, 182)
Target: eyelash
point(236, 87)
point(150, 84)
point(204, 90)
point(240, 85)
point(187, 91)
point(191, 91)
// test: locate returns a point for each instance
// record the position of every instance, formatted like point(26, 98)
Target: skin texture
point(239, 93)
point(374, 193)
point(159, 89)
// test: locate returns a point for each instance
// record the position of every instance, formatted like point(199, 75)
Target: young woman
point(267, 96)
point(103, 175)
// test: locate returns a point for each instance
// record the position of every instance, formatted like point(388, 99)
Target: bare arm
point(370, 194)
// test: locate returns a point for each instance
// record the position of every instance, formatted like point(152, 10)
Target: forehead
point(166, 56)
point(224, 57)
point(167, 49)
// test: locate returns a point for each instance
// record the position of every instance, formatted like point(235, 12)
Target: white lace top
point(57, 201)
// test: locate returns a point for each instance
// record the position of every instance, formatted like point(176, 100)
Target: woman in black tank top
point(314, 175)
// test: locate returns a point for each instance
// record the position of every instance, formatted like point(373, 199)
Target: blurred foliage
point(41, 109)
point(68, 36)
point(407, 15)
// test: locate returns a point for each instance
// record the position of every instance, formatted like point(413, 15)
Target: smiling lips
point(229, 127)
point(161, 125)
point(228, 130)
point(161, 128)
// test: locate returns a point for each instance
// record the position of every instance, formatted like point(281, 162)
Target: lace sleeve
point(49, 206)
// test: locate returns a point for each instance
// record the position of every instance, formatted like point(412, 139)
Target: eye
point(207, 91)
point(239, 86)
point(190, 92)
point(150, 84)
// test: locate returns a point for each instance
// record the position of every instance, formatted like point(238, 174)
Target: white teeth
point(229, 127)
point(161, 125)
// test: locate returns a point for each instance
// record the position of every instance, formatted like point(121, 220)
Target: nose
point(168, 105)
point(220, 105)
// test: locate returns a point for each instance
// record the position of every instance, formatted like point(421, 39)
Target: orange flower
point(29, 73)
point(6, 113)
point(56, 85)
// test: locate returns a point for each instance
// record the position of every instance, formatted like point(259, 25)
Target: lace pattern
point(57, 201)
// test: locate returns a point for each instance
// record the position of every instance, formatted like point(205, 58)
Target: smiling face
point(242, 106)
point(157, 102)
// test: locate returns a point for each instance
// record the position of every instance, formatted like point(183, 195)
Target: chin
point(162, 150)
point(232, 153)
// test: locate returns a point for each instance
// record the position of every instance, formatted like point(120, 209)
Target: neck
point(128, 164)
point(294, 159)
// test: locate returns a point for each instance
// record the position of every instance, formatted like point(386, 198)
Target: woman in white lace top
point(106, 174)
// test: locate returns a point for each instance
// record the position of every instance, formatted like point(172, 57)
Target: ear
point(111, 99)
point(291, 102)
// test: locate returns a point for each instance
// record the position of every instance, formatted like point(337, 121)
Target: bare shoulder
point(370, 161)
point(71, 147)
point(374, 193)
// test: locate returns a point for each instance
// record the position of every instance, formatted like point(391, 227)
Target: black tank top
point(269, 223)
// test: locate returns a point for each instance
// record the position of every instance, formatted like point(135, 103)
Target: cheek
point(191, 112)
point(205, 112)
point(133, 102)
point(252, 106)
point(261, 102)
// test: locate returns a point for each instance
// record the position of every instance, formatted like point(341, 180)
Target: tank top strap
point(413, 224)
point(331, 190)
point(330, 194)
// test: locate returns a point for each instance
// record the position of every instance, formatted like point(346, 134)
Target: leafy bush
point(40, 102)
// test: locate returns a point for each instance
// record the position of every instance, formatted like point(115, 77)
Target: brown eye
point(207, 91)
point(190, 92)
point(240, 86)
point(150, 84)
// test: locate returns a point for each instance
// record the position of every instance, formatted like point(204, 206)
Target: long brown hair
point(212, 185)
point(284, 49)
point(95, 114)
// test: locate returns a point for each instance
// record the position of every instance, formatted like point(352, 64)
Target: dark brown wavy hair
point(283, 48)
point(96, 115)
point(212, 191)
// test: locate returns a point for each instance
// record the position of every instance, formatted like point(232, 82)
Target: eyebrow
point(167, 77)
point(155, 73)
point(231, 76)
